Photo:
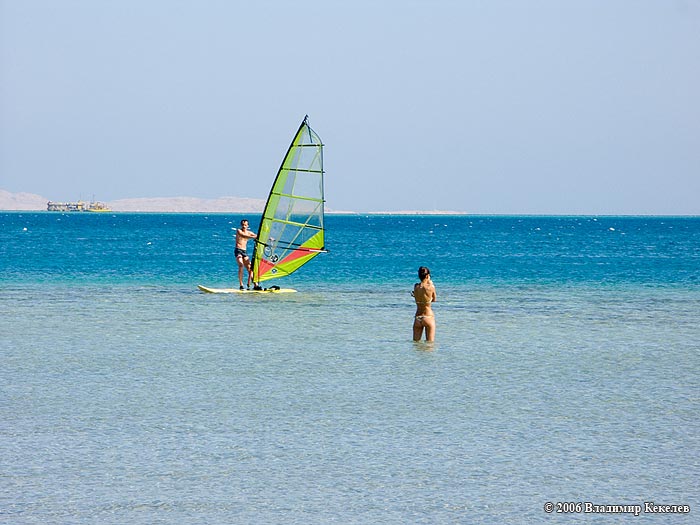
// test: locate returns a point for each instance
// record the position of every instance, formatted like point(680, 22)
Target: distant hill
point(189, 204)
point(33, 202)
point(22, 201)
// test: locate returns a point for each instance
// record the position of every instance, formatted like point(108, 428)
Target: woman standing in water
point(424, 294)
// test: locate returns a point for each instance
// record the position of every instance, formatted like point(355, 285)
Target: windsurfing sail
point(291, 229)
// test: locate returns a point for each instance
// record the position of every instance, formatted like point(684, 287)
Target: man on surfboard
point(243, 235)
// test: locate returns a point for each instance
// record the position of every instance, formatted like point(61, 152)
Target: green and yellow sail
point(291, 229)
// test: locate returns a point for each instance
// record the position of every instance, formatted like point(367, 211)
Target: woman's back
point(424, 294)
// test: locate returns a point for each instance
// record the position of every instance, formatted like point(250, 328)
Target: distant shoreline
point(33, 202)
point(378, 214)
point(29, 202)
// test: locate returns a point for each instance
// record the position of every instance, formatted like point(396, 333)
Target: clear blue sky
point(491, 106)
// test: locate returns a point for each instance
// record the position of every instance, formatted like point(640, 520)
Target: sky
point(485, 107)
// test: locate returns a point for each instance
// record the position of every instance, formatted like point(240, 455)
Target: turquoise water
point(565, 369)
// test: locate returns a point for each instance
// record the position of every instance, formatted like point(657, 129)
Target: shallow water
point(564, 369)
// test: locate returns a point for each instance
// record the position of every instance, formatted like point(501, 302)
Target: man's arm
point(247, 235)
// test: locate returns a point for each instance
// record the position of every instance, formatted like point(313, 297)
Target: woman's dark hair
point(423, 272)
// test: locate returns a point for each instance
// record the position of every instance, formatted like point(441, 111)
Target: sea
point(563, 385)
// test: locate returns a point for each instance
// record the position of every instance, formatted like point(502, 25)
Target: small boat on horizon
point(94, 206)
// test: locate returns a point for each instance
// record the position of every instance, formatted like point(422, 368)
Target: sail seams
point(295, 247)
point(299, 197)
point(301, 224)
point(303, 170)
